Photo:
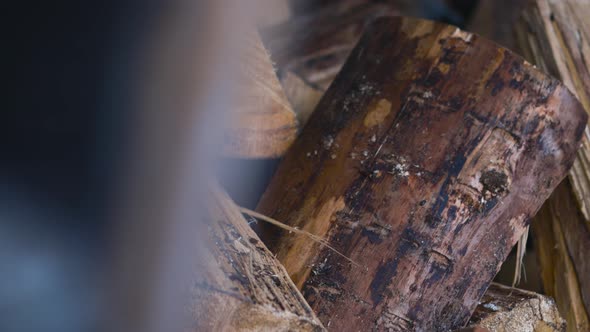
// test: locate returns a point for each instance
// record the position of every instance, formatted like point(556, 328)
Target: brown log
point(422, 164)
point(244, 288)
point(315, 45)
point(263, 123)
point(504, 309)
point(555, 35)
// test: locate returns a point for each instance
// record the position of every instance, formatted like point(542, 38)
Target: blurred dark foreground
point(106, 144)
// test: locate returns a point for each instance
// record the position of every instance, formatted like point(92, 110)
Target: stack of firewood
point(413, 157)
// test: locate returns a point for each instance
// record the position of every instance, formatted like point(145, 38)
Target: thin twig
point(294, 230)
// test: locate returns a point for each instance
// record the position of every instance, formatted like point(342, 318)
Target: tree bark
point(422, 164)
point(504, 309)
point(243, 287)
point(262, 122)
point(555, 35)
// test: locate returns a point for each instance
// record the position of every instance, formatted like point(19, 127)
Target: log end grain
point(505, 308)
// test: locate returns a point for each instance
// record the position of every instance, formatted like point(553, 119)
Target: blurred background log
point(494, 19)
point(353, 160)
point(554, 35)
point(243, 287)
point(262, 123)
point(315, 45)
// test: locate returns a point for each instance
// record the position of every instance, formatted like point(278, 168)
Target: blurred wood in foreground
point(243, 287)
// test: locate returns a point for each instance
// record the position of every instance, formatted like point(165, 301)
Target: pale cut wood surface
point(262, 123)
point(507, 309)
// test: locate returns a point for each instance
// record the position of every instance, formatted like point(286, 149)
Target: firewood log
point(558, 272)
point(555, 36)
point(262, 122)
point(504, 309)
point(422, 164)
point(243, 287)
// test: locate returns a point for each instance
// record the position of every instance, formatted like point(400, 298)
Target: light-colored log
point(262, 123)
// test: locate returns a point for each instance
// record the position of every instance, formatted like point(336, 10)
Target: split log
point(244, 288)
point(555, 35)
point(316, 45)
point(558, 271)
point(422, 164)
point(262, 123)
point(504, 309)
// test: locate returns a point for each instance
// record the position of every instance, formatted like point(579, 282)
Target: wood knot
point(495, 182)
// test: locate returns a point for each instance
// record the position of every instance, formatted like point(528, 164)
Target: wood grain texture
point(423, 163)
point(262, 123)
point(243, 287)
point(557, 270)
point(555, 35)
point(507, 309)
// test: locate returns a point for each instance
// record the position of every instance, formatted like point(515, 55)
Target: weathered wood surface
point(316, 45)
point(243, 287)
point(555, 36)
point(507, 309)
point(423, 163)
point(262, 122)
point(558, 270)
